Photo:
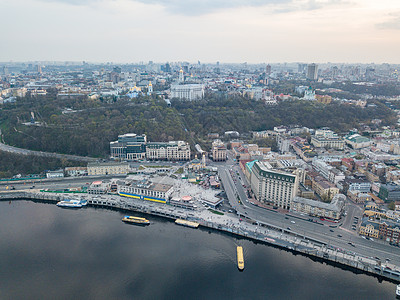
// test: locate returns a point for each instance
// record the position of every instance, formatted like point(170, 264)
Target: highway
point(15, 150)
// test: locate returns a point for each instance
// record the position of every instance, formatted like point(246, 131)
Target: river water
point(47, 252)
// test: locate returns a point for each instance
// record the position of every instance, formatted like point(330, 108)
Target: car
point(387, 259)
point(293, 222)
point(376, 257)
point(286, 218)
point(331, 230)
point(289, 228)
point(351, 244)
point(339, 235)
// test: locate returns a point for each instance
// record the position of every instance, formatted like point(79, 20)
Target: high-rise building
point(167, 68)
point(312, 72)
point(117, 69)
point(272, 186)
point(268, 70)
point(301, 68)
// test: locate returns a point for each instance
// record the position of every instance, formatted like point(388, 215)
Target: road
point(339, 235)
point(11, 149)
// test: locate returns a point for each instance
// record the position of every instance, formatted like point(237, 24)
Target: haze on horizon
point(349, 31)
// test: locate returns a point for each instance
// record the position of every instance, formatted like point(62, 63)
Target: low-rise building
point(355, 184)
point(369, 228)
point(98, 187)
point(389, 192)
point(173, 150)
point(108, 168)
point(55, 174)
point(146, 190)
point(218, 151)
point(76, 171)
point(332, 210)
point(326, 138)
point(324, 188)
point(183, 202)
point(390, 232)
point(357, 141)
point(358, 197)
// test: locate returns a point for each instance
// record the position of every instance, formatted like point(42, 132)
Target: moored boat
point(135, 220)
point(186, 223)
point(70, 204)
point(398, 291)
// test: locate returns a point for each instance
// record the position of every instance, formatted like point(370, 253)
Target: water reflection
point(52, 253)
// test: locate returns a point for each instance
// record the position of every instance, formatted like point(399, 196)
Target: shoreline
point(296, 244)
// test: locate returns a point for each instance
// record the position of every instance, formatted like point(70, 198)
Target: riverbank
point(260, 232)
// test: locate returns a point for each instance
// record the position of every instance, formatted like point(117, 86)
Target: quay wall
point(300, 244)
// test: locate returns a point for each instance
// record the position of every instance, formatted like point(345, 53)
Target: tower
point(181, 78)
point(150, 89)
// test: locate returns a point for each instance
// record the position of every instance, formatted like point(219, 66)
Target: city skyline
point(254, 32)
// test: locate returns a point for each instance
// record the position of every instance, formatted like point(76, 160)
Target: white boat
point(71, 203)
point(398, 291)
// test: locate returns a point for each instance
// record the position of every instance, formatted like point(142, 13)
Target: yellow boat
point(135, 220)
point(187, 223)
point(240, 259)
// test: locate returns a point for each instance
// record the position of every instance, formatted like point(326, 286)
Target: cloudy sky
point(207, 30)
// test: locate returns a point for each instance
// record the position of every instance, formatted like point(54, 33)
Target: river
point(47, 252)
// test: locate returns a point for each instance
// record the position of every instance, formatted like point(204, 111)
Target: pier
point(249, 229)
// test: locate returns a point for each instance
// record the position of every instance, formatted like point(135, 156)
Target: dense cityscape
point(345, 180)
point(200, 149)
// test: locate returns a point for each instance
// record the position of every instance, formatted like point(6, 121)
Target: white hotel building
point(272, 186)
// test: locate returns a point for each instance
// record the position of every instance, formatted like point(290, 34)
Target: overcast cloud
point(209, 30)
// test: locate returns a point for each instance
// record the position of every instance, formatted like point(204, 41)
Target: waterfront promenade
point(232, 224)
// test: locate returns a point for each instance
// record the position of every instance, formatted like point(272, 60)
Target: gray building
point(312, 71)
